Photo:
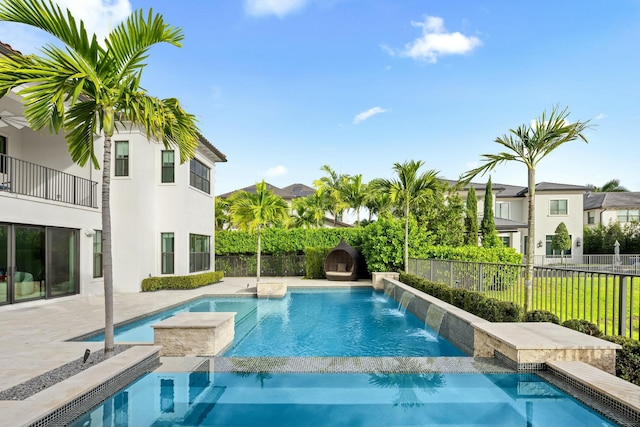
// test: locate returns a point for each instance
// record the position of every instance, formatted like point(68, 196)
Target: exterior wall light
point(539, 243)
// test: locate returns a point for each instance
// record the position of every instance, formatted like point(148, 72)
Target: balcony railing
point(29, 179)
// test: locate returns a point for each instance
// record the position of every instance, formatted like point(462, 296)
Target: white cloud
point(279, 8)
point(367, 114)
point(276, 171)
point(601, 116)
point(99, 17)
point(436, 42)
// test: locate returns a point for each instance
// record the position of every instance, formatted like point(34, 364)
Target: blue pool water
point(204, 399)
point(349, 322)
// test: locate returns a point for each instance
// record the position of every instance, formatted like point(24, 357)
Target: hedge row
point(314, 262)
point(473, 302)
point(181, 282)
point(278, 241)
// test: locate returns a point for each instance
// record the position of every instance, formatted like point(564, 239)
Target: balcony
point(29, 179)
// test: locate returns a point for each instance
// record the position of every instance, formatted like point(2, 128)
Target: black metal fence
point(30, 179)
point(610, 299)
point(270, 265)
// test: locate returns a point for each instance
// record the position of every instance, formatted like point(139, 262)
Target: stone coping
point(31, 411)
point(602, 383)
point(195, 320)
point(543, 336)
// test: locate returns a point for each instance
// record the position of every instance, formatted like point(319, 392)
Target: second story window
point(199, 176)
point(502, 210)
point(168, 166)
point(122, 158)
point(628, 215)
point(558, 207)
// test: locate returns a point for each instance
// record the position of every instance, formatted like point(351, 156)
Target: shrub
point(476, 303)
point(627, 358)
point(181, 282)
point(541, 316)
point(314, 262)
point(583, 326)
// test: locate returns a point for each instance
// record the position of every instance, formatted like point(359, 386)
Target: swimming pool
point(314, 322)
point(203, 399)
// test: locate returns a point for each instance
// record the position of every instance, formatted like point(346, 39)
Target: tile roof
point(218, 155)
point(289, 192)
point(626, 199)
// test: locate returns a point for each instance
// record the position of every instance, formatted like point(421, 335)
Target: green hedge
point(541, 316)
point(181, 282)
point(473, 302)
point(627, 358)
point(314, 262)
point(279, 241)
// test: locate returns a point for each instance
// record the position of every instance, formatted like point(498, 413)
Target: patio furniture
point(342, 263)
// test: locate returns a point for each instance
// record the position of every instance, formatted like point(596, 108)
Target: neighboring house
point(606, 208)
point(289, 193)
point(50, 211)
point(555, 203)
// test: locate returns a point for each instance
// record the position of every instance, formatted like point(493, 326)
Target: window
point(628, 215)
point(506, 241)
point(551, 252)
point(97, 254)
point(3, 153)
point(122, 158)
point(167, 253)
point(199, 176)
point(199, 253)
point(168, 166)
point(558, 207)
point(502, 210)
point(591, 217)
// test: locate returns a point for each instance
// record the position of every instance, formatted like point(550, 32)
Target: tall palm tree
point(355, 192)
point(221, 213)
point(408, 191)
point(309, 210)
point(376, 201)
point(333, 186)
point(611, 186)
point(529, 144)
point(253, 211)
point(84, 88)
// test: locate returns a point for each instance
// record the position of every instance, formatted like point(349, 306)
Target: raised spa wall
point(522, 346)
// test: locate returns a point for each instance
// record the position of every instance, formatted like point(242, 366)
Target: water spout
point(405, 299)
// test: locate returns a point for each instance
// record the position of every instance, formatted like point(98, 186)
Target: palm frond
point(81, 125)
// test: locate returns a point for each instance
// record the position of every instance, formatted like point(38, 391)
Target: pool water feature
point(346, 322)
point(204, 399)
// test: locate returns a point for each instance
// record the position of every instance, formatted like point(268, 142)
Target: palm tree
point(408, 191)
point(309, 210)
point(221, 213)
point(333, 186)
point(377, 202)
point(253, 211)
point(355, 192)
point(529, 144)
point(85, 88)
point(611, 186)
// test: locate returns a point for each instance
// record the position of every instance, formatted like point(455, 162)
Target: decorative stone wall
point(377, 279)
point(195, 334)
point(271, 289)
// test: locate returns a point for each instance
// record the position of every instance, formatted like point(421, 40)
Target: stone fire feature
point(194, 334)
point(531, 344)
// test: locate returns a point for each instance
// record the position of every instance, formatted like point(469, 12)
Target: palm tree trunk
point(107, 263)
point(528, 281)
point(259, 250)
point(406, 238)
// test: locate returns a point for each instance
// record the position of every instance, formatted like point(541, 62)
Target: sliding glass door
point(29, 273)
point(4, 263)
point(62, 246)
point(37, 262)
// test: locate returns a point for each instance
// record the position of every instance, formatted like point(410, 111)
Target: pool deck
point(34, 340)
point(33, 335)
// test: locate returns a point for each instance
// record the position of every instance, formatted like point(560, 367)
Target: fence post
point(451, 274)
point(622, 307)
point(481, 277)
point(431, 270)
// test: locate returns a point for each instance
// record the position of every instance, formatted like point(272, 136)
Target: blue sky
point(283, 87)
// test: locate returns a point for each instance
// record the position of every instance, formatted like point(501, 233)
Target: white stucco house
point(554, 203)
point(611, 207)
point(50, 214)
